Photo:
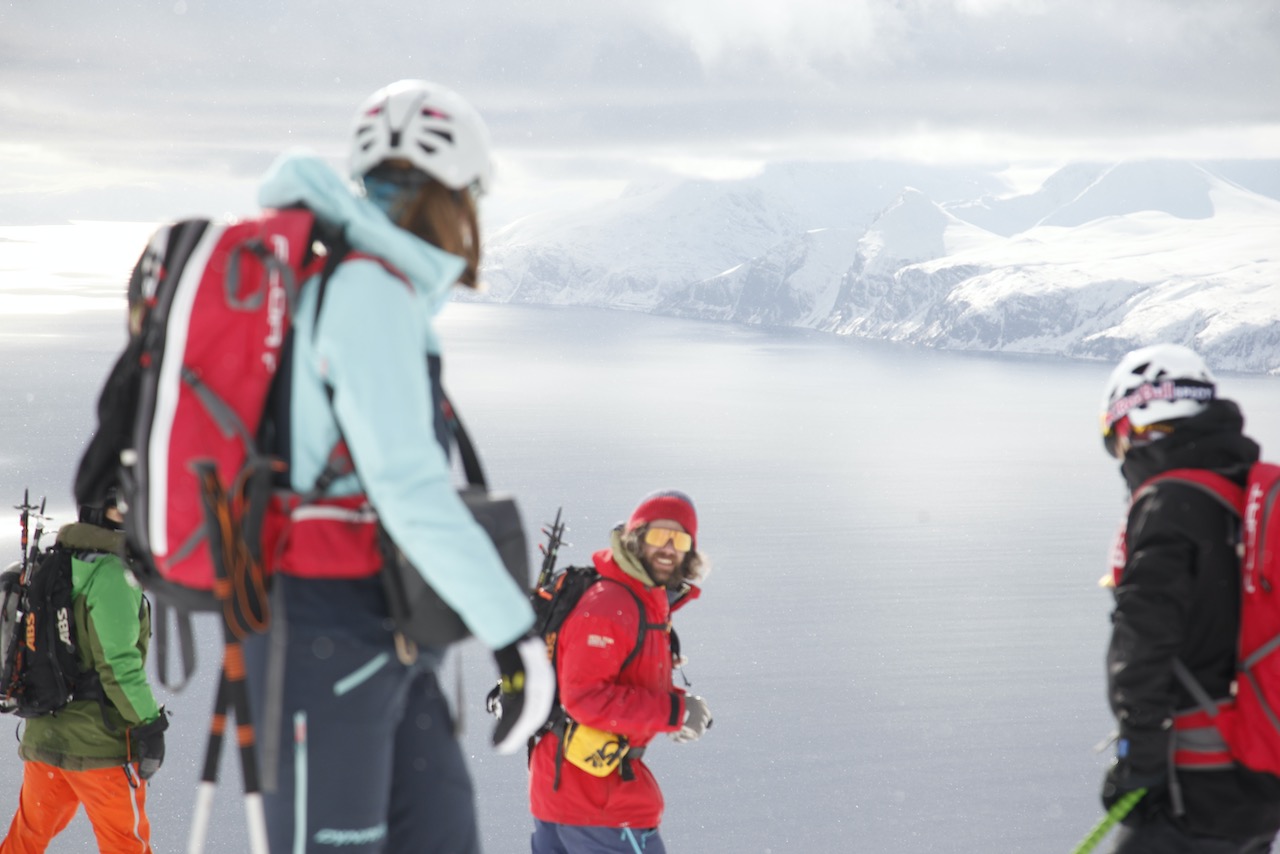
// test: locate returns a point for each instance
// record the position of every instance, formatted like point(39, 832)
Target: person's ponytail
point(447, 219)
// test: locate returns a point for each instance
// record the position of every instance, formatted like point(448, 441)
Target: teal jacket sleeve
point(373, 336)
point(118, 634)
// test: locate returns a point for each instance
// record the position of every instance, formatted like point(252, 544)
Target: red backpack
point(191, 436)
point(1249, 720)
point(209, 306)
point(184, 428)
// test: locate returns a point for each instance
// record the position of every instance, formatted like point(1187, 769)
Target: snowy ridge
point(1100, 259)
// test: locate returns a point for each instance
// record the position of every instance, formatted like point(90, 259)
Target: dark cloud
point(220, 86)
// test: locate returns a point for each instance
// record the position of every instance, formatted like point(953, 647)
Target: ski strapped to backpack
point(1245, 727)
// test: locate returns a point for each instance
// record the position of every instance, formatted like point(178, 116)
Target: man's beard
point(672, 581)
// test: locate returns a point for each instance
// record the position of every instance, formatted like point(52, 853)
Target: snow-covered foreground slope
point(1100, 259)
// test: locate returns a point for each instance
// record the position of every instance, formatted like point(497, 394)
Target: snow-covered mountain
point(1101, 258)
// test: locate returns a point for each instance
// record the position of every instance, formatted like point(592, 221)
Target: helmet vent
point(431, 127)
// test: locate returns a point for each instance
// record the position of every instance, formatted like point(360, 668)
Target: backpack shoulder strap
point(339, 251)
point(644, 626)
point(1228, 493)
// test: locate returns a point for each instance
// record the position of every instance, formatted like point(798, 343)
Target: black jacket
point(1179, 596)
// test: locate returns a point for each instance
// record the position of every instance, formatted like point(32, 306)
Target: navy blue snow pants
point(550, 838)
point(367, 762)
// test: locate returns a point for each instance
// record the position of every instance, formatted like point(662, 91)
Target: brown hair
point(446, 218)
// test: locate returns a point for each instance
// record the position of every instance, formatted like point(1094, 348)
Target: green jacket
point(113, 629)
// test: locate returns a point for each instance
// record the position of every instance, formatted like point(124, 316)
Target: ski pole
point(549, 552)
point(40, 518)
point(229, 560)
point(1116, 814)
point(23, 521)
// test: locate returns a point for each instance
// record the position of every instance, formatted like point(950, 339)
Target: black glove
point(147, 743)
point(1142, 762)
point(527, 688)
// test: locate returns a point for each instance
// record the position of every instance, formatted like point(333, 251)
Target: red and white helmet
point(430, 126)
point(1154, 385)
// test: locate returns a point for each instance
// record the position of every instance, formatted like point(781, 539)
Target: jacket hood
point(81, 536)
point(302, 178)
point(626, 561)
point(1213, 439)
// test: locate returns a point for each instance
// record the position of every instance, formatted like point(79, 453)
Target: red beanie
point(666, 504)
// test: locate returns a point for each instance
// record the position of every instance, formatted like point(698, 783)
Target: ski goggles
point(659, 537)
point(1125, 433)
point(1113, 432)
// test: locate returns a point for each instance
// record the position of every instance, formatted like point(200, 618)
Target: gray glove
point(697, 720)
point(147, 742)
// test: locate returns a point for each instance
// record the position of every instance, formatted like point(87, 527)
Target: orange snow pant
point(50, 797)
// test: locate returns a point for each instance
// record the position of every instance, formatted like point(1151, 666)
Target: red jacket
point(638, 701)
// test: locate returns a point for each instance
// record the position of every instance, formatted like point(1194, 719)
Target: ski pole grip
point(1114, 816)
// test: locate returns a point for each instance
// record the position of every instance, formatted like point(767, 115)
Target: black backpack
point(41, 672)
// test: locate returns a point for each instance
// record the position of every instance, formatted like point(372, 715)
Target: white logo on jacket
point(599, 641)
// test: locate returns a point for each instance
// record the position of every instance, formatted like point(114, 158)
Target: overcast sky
point(149, 110)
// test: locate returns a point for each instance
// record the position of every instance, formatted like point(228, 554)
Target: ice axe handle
point(1114, 816)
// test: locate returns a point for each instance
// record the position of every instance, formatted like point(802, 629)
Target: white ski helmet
point(1153, 385)
point(430, 126)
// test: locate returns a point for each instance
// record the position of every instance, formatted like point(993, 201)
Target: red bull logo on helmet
point(1169, 390)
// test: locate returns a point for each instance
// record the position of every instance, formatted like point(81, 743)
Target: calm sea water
point(901, 639)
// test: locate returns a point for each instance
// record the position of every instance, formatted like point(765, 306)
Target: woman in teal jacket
point(368, 761)
point(98, 751)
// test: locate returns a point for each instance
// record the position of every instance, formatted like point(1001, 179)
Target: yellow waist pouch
point(597, 752)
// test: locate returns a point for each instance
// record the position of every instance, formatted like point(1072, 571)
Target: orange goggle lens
point(659, 537)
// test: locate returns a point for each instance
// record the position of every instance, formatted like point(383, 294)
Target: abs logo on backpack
point(64, 627)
